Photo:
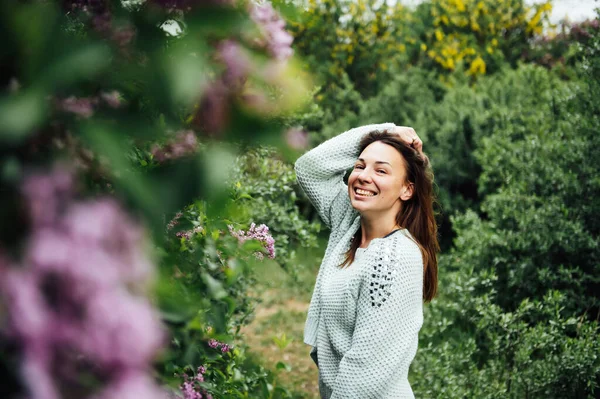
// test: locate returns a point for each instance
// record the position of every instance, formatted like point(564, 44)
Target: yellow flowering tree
point(362, 39)
point(481, 34)
point(366, 39)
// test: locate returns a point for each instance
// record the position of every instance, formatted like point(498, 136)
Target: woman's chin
point(360, 206)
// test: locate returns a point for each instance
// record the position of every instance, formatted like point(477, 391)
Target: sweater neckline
point(392, 232)
point(382, 238)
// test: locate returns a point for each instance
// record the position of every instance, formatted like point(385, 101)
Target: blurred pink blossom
point(236, 61)
point(112, 98)
point(120, 331)
point(132, 385)
point(45, 194)
point(297, 138)
point(275, 38)
point(77, 296)
point(183, 144)
point(82, 107)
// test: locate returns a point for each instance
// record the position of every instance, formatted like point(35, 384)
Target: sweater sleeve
point(320, 172)
point(389, 317)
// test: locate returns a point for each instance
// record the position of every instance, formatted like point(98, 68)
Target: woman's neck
point(376, 228)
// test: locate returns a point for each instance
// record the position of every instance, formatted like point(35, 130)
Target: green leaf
point(283, 366)
point(187, 73)
point(82, 62)
point(20, 115)
point(215, 287)
point(282, 341)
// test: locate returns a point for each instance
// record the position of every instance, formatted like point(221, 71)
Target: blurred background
point(154, 242)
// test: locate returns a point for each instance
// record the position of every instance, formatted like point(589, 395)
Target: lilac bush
point(210, 259)
point(75, 279)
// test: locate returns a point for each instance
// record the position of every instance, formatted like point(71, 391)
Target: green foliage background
point(514, 147)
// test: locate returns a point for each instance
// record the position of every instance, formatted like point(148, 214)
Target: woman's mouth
point(364, 193)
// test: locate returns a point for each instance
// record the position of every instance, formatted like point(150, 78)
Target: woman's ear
point(407, 191)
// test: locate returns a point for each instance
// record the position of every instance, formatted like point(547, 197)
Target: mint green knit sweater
point(364, 319)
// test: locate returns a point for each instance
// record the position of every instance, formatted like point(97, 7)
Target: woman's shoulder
point(391, 259)
point(400, 239)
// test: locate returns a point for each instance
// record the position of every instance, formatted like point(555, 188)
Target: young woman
point(380, 264)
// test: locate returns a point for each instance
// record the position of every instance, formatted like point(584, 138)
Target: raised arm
point(389, 317)
point(320, 171)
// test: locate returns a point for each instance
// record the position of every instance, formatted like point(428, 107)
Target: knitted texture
point(364, 319)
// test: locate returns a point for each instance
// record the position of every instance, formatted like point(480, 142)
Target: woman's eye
point(382, 171)
point(358, 167)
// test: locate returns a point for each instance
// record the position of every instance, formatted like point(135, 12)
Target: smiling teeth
point(364, 192)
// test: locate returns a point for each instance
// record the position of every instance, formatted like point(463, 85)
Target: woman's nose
point(364, 176)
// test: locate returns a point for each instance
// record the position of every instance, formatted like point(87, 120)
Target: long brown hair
point(416, 214)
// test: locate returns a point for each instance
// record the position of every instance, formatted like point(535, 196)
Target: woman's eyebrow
point(381, 162)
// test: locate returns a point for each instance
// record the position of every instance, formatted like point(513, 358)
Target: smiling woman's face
point(377, 183)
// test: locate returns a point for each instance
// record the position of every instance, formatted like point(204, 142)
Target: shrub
point(519, 309)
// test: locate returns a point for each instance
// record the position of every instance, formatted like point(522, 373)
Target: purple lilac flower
point(82, 107)
point(175, 221)
point(132, 385)
point(189, 392)
point(28, 317)
point(44, 195)
point(189, 387)
point(184, 234)
point(236, 61)
point(120, 331)
point(34, 369)
point(78, 296)
point(185, 143)
point(297, 138)
point(260, 233)
point(112, 98)
point(215, 104)
point(213, 343)
point(275, 38)
point(188, 234)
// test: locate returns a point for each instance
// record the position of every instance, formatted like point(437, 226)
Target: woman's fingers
point(409, 136)
point(418, 145)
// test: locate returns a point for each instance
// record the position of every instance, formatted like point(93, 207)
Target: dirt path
point(276, 335)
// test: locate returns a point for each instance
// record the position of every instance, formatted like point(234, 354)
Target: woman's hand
point(409, 136)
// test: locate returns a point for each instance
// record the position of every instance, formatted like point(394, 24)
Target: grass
point(275, 335)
